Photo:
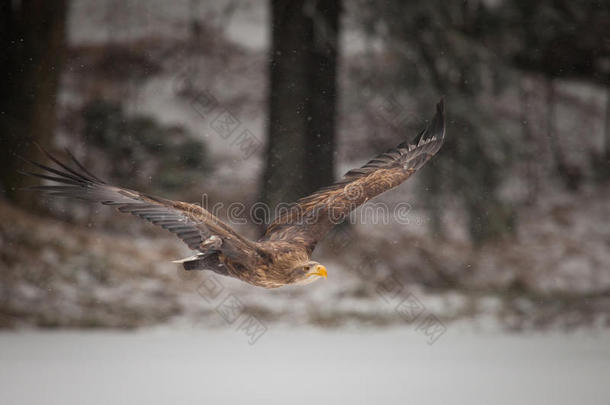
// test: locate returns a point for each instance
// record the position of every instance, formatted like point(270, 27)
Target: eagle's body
point(283, 254)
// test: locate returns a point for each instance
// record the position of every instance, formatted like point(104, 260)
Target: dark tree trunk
point(302, 98)
point(32, 36)
point(320, 142)
point(607, 127)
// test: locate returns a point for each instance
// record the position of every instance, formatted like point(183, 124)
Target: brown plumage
point(282, 255)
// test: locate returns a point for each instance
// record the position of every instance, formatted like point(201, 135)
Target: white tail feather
point(188, 259)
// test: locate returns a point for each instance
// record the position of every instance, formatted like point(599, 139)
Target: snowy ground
point(299, 366)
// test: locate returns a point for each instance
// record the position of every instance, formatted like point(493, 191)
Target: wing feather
point(189, 222)
point(314, 215)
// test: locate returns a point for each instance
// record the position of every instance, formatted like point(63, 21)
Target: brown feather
point(313, 216)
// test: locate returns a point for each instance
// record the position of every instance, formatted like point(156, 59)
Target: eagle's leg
point(205, 262)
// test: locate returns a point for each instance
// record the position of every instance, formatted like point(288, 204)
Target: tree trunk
point(320, 142)
point(302, 98)
point(32, 37)
point(607, 127)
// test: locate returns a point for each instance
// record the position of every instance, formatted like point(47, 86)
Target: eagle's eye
point(315, 270)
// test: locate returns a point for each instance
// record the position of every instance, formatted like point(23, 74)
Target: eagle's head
point(308, 272)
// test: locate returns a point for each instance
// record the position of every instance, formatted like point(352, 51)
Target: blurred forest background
point(248, 101)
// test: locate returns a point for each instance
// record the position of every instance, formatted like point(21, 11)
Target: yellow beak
point(321, 271)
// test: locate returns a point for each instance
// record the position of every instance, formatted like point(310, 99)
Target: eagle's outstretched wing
point(196, 226)
point(313, 216)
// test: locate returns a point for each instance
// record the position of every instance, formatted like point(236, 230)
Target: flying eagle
point(283, 254)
